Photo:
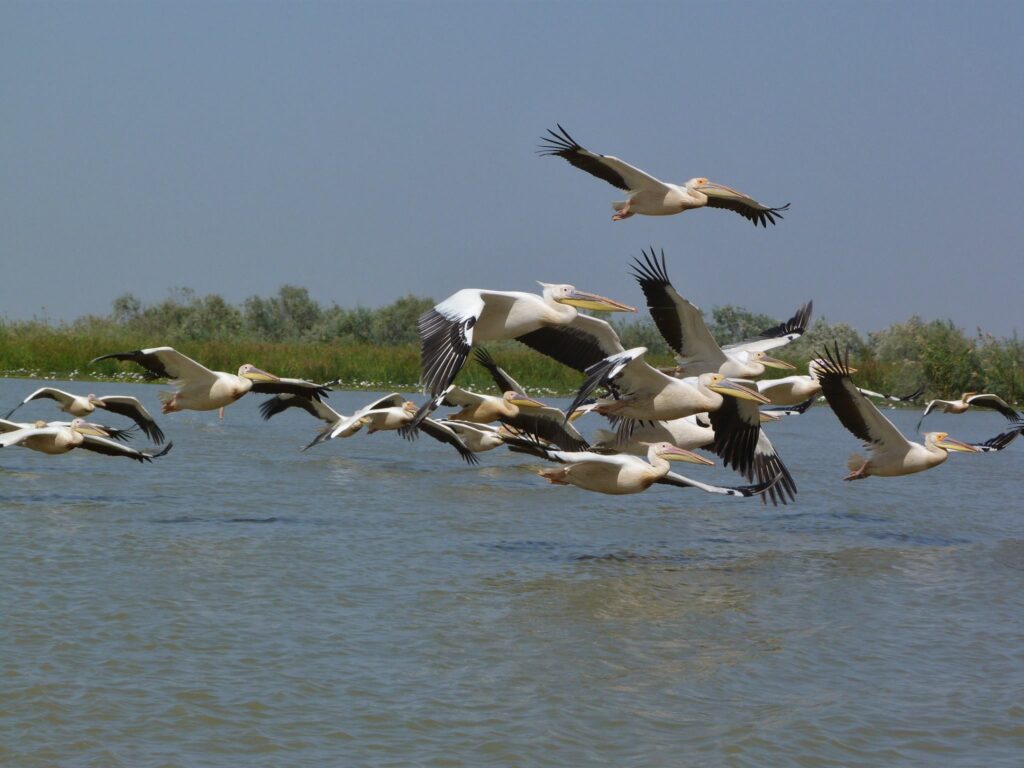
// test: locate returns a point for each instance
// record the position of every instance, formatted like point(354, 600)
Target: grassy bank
point(65, 354)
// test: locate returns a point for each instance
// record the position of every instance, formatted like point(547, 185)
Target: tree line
point(934, 354)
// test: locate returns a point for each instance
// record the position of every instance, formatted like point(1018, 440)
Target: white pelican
point(650, 196)
point(78, 434)
point(389, 412)
point(200, 389)
point(624, 474)
point(681, 324)
point(521, 413)
point(477, 437)
point(315, 408)
point(99, 429)
point(968, 399)
point(796, 390)
point(452, 327)
point(890, 453)
point(79, 405)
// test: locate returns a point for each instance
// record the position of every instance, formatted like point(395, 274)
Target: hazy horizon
point(369, 151)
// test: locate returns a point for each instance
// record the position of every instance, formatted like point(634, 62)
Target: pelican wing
point(110, 448)
point(445, 434)
point(721, 196)
point(743, 445)
point(301, 387)
point(778, 335)
point(580, 344)
point(549, 425)
point(502, 380)
point(131, 408)
point(457, 396)
point(16, 436)
point(315, 408)
point(681, 481)
point(446, 336)
point(852, 407)
point(681, 323)
point(164, 363)
point(996, 403)
point(611, 169)
point(1000, 441)
point(62, 397)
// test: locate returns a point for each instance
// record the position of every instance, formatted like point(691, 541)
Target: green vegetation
point(293, 335)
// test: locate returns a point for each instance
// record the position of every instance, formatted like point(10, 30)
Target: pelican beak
point(524, 401)
point(595, 303)
point(91, 429)
point(259, 375)
point(774, 362)
point(720, 190)
point(768, 417)
point(732, 389)
point(955, 445)
point(681, 454)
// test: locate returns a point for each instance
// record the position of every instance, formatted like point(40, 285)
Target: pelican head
point(409, 406)
point(943, 440)
point(771, 362)
point(250, 371)
point(567, 294)
point(716, 382)
point(522, 401)
point(671, 452)
point(85, 428)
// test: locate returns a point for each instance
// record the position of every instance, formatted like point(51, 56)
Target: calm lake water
point(373, 602)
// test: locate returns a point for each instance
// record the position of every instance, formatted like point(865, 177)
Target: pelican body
point(649, 196)
point(616, 474)
point(890, 453)
point(197, 388)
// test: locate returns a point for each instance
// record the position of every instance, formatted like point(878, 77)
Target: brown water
point(373, 602)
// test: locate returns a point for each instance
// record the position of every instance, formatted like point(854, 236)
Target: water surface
point(377, 602)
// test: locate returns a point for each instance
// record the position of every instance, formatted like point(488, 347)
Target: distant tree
point(730, 324)
point(396, 323)
point(126, 309)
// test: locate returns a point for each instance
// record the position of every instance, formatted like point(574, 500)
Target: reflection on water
point(376, 602)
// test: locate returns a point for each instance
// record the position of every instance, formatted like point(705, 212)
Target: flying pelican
point(477, 437)
point(449, 330)
point(624, 474)
point(890, 453)
point(794, 390)
point(78, 434)
point(78, 405)
point(681, 324)
point(650, 196)
point(967, 399)
point(318, 409)
point(521, 413)
point(112, 432)
point(200, 389)
point(390, 412)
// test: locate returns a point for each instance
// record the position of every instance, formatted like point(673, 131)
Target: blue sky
point(370, 150)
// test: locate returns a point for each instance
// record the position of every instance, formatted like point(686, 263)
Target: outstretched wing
point(308, 389)
point(110, 448)
point(611, 169)
point(721, 196)
point(164, 363)
point(131, 408)
point(852, 407)
point(680, 323)
point(62, 397)
point(778, 335)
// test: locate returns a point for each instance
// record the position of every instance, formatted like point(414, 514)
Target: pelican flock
point(714, 399)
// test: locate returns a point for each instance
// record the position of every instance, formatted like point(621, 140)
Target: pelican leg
point(859, 474)
point(554, 476)
point(624, 213)
point(220, 414)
